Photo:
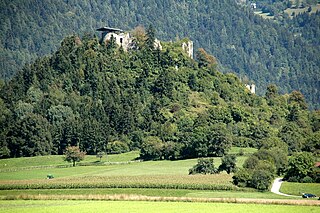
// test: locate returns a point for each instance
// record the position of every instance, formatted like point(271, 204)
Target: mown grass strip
point(57, 206)
point(125, 197)
point(147, 192)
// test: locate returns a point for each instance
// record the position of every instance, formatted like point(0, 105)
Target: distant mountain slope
point(285, 52)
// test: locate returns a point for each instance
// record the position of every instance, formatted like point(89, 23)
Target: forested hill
point(102, 98)
point(284, 51)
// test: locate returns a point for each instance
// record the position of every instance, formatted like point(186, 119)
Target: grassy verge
point(299, 188)
point(141, 206)
point(8, 194)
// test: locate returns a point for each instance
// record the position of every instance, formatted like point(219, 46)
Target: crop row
point(198, 182)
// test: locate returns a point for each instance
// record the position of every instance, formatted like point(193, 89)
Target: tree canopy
point(283, 50)
point(161, 102)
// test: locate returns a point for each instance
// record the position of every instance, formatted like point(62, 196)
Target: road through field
point(276, 187)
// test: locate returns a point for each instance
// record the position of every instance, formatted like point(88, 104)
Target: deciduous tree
point(73, 155)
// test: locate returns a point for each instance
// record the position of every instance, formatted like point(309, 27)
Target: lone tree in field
point(228, 163)
point(204, 166)
point(73, 154)
point(100, 155)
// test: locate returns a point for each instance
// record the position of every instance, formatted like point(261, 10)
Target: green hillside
point(161, 102)
point(283, 51)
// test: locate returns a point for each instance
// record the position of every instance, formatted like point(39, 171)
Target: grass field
point(297, 11)
point(121, 177)
point(299, 188)
point(142, 206)
point(57, 160)
point(289, 11)
point(114, 165)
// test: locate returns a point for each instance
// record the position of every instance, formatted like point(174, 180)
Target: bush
point(151, 148)
point(307, 179)
point(241, 152)
point(251, 162)
point(266, 166)
point(293, 179)
point(204, 166)
point(172, 150)
point(117, 147)
point(261, 179)
point(242, 177)
point(300, 165)
point(228, 163)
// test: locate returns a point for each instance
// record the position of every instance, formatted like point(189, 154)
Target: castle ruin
point(124, 40)
point(188, 48)
point(251, 88)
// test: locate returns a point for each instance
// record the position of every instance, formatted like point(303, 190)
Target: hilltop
point(284, 51)
point(160, 101)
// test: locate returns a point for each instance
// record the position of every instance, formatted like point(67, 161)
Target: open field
point(120, 177)
point(143, 206)
point(299, 188)
point(57, 160)
point(290, 11)
point(297, 11)
point(115, 165)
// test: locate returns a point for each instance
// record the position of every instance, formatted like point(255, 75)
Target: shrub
point(117, 147)
point(204, 166)
point(100, 155)
point(261, 179)
point(241, 152)
point(242, 177)
point(266, 166)
point(251, 162)
point(172, 150)
point(228, 163)
point(307, 179)
point(151, 148)
point(293, 179)
point(300, 165)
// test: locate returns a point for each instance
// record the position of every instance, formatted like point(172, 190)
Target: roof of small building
point(109, 29)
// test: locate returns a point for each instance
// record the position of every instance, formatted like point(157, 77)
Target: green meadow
point(143, 206)
point(25, 188)
point(299, 188)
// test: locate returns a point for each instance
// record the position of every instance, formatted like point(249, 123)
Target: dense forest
point(283, 51)
point(102, 98)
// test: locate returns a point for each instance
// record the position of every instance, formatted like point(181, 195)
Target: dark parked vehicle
point(306, 195)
